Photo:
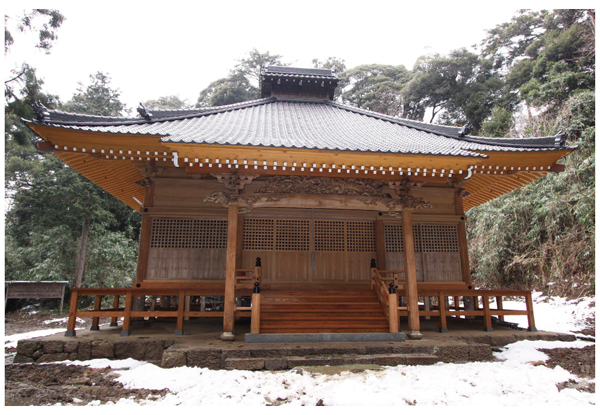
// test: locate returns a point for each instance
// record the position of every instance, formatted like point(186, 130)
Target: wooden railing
point(385, 290)
point(389, 286)
point(251, 278)
point(443, 311)
point(247, 281)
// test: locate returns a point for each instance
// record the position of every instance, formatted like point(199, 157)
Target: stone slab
point(324, 337)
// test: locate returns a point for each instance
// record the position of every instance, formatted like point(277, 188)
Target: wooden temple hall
point(303, 214)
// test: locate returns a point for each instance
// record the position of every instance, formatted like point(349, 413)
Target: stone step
point(290, 362)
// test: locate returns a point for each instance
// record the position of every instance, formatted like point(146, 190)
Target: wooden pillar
point(145, 233)
point(410, 268)
point(229, 301)
point(239, 243)
point(380, 244)
point(463, 247)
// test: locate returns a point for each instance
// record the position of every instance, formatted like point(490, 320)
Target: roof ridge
point(471, 139)
point(141, 120)
point(389, 118)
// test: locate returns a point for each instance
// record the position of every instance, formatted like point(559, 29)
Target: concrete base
point(415, 335)
point(324, 337)
point(227, 336)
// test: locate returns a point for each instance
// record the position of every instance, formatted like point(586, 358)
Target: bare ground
point(50, 384)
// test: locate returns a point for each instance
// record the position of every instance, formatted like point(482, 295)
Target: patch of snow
point(11, 341)
point(554, 314)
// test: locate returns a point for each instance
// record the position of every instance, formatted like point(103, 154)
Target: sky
point(180, 47)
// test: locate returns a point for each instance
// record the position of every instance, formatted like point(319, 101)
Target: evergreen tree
point(375, 88)
point(55, 210)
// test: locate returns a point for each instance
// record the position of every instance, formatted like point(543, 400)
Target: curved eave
point(117, 177)
point(484, 187)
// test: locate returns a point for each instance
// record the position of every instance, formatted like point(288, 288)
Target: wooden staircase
point(321, 312)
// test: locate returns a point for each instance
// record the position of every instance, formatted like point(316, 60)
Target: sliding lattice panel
point(436, 251)
point(187, 249)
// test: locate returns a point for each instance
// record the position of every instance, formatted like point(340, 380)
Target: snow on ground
point(514, 380)
point(554, 314)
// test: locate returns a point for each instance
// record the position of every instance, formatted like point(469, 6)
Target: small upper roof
point(299, 123)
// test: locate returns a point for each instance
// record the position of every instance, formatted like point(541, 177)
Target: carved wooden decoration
point(405, 200)
point(234, 182)
point(247, 201)
point(322, 186)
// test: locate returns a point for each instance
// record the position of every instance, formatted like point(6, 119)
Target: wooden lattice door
point(307, 250)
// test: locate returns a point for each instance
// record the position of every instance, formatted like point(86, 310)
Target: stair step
point(314, 306)
point(320, 313)
point(323, 324)
point(286, 330)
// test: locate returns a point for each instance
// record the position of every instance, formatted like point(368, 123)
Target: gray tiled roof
point(300, 123)
point(290, 72)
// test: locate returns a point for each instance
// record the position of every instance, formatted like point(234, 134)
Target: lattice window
point(417, 237)
point(292, 235)
point(259, 234)
point(394, 241)
point(360, 236)
point(188, 233)
point(210, 233)
point(439, 238)
point(393, 238)
point(329, 235)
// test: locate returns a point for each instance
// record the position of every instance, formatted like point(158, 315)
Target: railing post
point(127, 317)
point(530, 319)
point(499, 306)
point(442, 303)
point(258, 271)
point(373, 271)
point(113, 320)
point(487, 317)
point(393, 309)
point(255, 312)
point(180, 311)
point(97, 307)
point(72, 313)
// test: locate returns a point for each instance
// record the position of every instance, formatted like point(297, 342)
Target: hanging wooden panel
point(394, 248)
point(441, 261)
point(436, 251)
point(190, 249)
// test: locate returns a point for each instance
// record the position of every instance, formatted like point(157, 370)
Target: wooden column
point(380, 244)
point(145, 233)
point(463, 247)
point(232, 245)
point(410, 268)
point(463, 250)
